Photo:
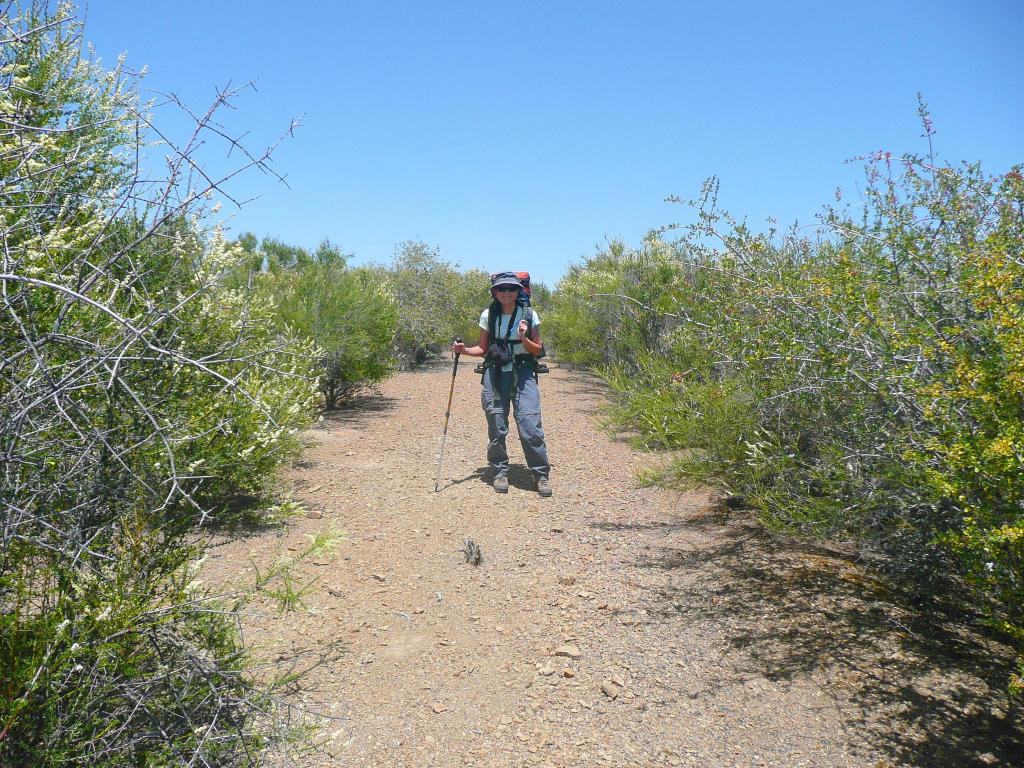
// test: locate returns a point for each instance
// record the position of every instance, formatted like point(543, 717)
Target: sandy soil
point(608, 625)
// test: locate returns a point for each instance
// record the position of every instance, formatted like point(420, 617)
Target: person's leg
point(495, 401)
point(529, 424)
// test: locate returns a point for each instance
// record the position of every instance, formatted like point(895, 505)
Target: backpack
point(524, 294)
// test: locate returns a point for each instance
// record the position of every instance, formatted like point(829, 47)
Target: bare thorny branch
point(94, 339)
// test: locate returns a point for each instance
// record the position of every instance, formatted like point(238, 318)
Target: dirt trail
point(607, 625)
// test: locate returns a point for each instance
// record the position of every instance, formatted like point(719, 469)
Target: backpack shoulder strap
point(511, 323)
point(492, 320)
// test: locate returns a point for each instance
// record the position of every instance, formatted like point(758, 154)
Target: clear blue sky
point(525, 134)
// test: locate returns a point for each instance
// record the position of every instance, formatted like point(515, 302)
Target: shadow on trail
point(588, 383)
point(242, 516)
point(481, 474)
point(927, 684)
point(661, 526)
point(522, 478)
point(360, 411)
point(518, 477)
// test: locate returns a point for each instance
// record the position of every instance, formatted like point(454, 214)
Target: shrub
point(350, 315)
point(137, 390)
point(866, 384)
point(613, 305)
point(436, 302)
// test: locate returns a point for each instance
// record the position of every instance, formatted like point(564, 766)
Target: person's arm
point(459, 348)
point(531, 341)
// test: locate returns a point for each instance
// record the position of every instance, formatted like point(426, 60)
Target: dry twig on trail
point(471, 551)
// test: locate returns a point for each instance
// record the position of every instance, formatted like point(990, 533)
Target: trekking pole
point(447, 414)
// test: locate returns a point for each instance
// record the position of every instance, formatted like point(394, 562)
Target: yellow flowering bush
point(866, 384)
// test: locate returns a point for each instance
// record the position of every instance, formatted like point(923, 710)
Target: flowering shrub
point(866, 384)
point(138, 393)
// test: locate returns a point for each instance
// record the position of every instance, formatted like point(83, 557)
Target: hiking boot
point(501, 484)
point(543, 486)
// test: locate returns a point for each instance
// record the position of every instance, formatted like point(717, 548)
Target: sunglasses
point(507, 288)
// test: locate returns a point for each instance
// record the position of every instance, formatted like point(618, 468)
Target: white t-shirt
point(502, 326)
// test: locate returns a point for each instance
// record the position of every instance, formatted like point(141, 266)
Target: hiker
point(510, 345)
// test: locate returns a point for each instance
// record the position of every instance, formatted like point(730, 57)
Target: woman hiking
point(510, 344)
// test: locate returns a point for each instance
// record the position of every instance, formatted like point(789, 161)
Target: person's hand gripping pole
point(447, 415)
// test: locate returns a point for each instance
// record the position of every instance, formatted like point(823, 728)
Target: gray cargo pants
point(496, 398)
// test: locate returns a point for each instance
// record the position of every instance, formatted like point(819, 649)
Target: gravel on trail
point(611, 624)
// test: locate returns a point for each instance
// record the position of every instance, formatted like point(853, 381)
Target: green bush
point(350, 315)
point(614, 306)
point(89, 670)
point(866, 384)
point(139, 390)
point(436, 302)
